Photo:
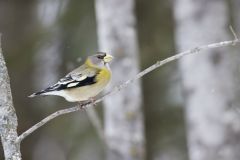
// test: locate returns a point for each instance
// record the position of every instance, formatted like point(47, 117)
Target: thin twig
point(125, 84)
point(233, 32)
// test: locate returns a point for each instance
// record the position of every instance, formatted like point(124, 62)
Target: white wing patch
point(72, 84)
point(79, 78)
point(65, 82)
point(70, 81)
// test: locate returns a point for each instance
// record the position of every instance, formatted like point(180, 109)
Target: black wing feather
point(60, 86)
point(63, 84)
point(85, 82)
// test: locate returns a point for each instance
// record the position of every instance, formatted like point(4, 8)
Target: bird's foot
point(81, 105)
point(90, 101)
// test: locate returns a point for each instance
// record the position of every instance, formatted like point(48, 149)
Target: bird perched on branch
point(83, 83)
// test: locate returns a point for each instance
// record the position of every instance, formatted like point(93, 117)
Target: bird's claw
point(91, 101)
point(81, 105)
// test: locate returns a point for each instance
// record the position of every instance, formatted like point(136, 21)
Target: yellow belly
point(89, 91)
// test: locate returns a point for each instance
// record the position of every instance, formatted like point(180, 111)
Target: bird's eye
point(101, 55)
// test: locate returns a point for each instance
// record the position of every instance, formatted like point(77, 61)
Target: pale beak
point(108, 58)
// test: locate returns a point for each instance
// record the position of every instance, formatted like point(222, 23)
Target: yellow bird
point(83, 83)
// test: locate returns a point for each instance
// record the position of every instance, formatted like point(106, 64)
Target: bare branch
point(125, 84)
point(47, 119)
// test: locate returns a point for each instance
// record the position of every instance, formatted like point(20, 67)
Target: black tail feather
point(37, 93)
point(41, 93)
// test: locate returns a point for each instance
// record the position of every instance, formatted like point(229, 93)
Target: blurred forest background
point(187, 110)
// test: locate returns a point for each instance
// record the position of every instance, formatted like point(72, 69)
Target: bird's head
point(100, 59)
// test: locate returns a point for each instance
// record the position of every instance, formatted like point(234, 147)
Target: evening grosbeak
point(83, 83)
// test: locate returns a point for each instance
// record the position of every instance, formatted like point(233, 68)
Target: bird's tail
point(48, 91)
point(40, 93)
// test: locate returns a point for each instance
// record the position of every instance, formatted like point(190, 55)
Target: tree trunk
point(8, 117)
point(210, 81)
point(124, 128)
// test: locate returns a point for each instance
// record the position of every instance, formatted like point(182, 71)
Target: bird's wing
point(77, 78)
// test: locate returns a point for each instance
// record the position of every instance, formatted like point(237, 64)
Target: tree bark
point(8, 117)
point(210, 81)
point(124, 128)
